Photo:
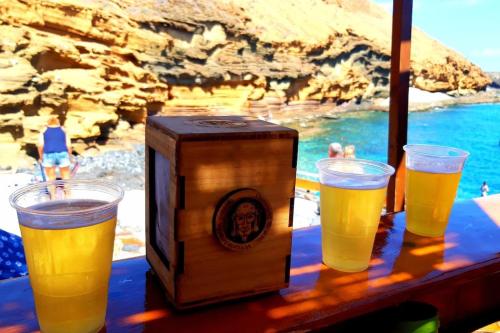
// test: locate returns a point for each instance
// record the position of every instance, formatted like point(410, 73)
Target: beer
point(429, 198)
point(352, 196)
point(432, 177)
point(69, 266)
point(349, 220)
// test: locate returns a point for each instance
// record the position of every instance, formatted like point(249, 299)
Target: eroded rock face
point(100, 63)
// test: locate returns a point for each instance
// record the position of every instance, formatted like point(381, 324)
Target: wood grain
point(212, 271)
point(398, 108)
point(207, 164)
point(196, 230)
point(163, 144)
point(158, 143)
point(184, 129)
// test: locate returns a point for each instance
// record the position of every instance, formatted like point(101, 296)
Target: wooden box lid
point(218, 127)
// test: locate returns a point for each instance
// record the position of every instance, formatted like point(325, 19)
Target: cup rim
point(386, 169)
point(93, 183)
point(461, 153)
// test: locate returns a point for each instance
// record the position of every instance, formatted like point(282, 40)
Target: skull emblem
point(245, 221)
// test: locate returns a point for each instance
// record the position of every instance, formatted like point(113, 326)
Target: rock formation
point(103, 65)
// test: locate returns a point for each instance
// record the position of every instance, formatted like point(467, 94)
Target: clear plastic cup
point(68, 243)
point(432, 177)
point(352, 195)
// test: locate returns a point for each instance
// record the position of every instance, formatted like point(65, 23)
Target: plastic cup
point(432, 177)
point(68, 243)
point(352, 195)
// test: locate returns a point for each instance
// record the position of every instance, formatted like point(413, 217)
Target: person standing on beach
point(484, 189)
point(54, 150)
point(335, 150)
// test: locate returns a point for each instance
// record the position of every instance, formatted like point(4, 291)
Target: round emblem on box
point(242, 218)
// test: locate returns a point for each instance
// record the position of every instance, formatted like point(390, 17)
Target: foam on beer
point(65, 214)
point(433, 166)
point(353, 174)
point(435, 159)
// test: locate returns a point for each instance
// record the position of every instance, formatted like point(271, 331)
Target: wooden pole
point(398, 109)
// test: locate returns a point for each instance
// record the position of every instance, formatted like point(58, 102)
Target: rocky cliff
point(103, 65)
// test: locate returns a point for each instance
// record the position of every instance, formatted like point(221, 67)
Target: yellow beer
point(429, 198)
point(69, 269)
point(349, 222)
point(433, 174)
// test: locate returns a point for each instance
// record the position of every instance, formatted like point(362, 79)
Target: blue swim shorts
point(60, 159)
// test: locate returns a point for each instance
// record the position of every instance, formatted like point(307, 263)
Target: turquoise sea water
point(475, 128)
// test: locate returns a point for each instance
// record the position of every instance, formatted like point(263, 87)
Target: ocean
point(475, 128)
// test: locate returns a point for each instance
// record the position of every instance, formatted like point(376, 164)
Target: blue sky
point(471, 27)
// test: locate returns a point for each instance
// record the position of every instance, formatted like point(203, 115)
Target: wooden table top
point(401, 263)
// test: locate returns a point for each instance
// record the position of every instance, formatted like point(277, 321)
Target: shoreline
point(419, 101)
point(422, 102)
point(128, 140)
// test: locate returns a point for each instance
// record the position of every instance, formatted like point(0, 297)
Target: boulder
point(16, 74)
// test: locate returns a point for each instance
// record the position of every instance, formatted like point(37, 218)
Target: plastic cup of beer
point(432, 177)
point(352, 195)
point(68, 243)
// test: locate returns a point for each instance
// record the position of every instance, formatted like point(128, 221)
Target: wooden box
point(220, 195)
